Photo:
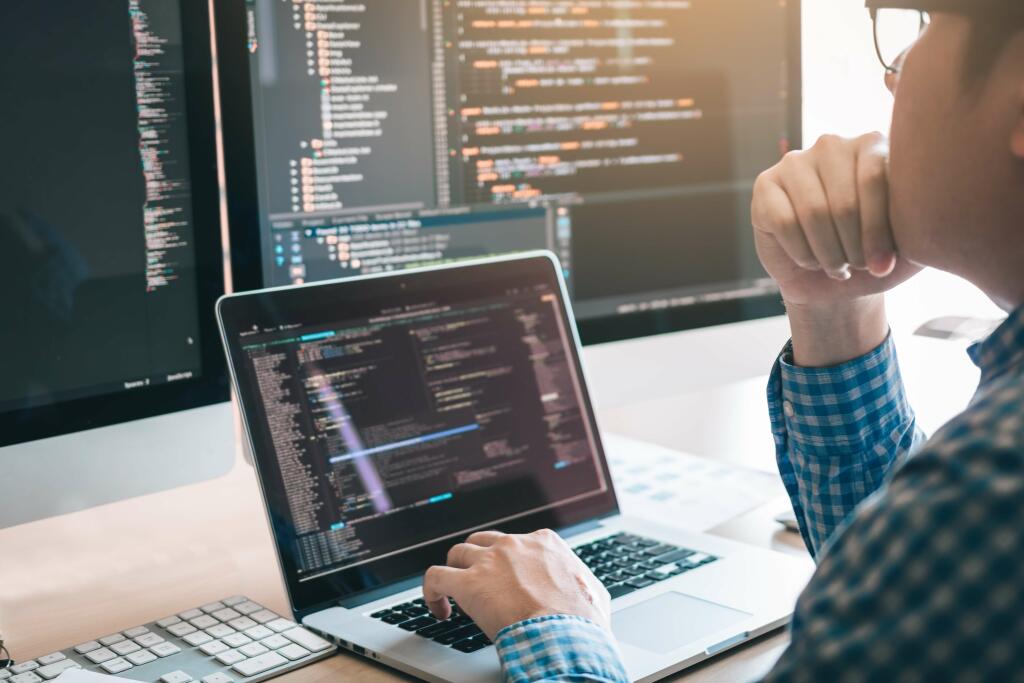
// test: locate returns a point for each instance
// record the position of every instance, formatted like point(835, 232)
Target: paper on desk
point(695, 493)
point(83, 676)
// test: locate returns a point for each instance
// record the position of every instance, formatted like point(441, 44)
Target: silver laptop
point(390, 416)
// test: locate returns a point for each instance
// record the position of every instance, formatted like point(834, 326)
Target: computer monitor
point(623, 136)
point(112, 380)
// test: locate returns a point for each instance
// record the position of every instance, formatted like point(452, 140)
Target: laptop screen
point(388, 419)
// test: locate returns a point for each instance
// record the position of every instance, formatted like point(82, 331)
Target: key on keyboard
point(219, 642)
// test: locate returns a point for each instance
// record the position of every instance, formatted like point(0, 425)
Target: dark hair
point(990, 35)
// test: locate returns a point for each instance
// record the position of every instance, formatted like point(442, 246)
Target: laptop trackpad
point(671, 620)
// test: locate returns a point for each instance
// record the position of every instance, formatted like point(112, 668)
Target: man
point(920, 557)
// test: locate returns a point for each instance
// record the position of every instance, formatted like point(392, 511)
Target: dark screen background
point(77, 316)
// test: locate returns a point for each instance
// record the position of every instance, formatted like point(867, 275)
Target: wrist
point(828, 335)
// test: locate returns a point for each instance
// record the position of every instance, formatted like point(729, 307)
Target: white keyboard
point(233, 640)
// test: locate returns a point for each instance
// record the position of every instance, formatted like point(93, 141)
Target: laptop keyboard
point(623, 563)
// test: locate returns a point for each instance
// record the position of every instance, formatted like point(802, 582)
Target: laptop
point(392, 415)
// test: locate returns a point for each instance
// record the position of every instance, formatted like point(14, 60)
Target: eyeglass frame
point(6, 661)
point(925, 7)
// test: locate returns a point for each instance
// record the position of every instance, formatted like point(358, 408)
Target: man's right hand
point(822, 231)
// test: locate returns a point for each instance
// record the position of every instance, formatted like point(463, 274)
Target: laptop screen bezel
point(239, 312)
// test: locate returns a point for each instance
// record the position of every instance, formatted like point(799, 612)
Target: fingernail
point(881, 265)
point(842, 274)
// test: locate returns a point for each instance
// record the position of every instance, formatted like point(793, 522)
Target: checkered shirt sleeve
point(559, 648)
point(838, 434)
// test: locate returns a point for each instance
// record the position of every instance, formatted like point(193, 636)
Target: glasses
point(896, 31)
point(5, 656)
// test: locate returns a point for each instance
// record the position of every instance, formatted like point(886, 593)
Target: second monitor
point(625, 136)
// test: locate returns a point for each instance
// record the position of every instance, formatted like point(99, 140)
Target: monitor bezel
point(238, 312)
point(42, 418)
point(243, 197)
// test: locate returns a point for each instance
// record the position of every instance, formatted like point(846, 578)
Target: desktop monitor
point(624, 136)
point(112, 380)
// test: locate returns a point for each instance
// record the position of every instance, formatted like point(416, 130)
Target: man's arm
point(838, 432)
point(925, 578)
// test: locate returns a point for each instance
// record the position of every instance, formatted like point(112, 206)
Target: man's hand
point(821, 222)
point(500, 579)
point(822, 231)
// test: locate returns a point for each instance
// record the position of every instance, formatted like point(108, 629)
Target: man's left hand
point(501, 579)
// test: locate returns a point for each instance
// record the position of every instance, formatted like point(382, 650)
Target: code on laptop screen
point(420, 422)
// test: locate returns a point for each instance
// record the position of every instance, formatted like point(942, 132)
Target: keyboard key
point(165, 649)
point(381, 613)
point(639, 582)
point(437, 629)
point(149, 639)
point(293, 652)
point(262, 616)
point(673, 556)
point(471, 644)
point(198, 638)
point(230, 657)
point(176, 677)
point(87, 647)
point(51, 671)
point(24, 667)
point(236, 640)
point(226, 614)
point(100, 656)
point(306, 639)
point(111, 639)
point(457, 635)
point(135, 632)
point(116, 666)
point(205, 621)
point(248, 607)
point(181, 629)
point(51, 658)
point(280, 625)
point(259, 632)
point(27, 677)
point(125, 647)
point(221, 631)
point(275, 642)
point(218, 677)
point(395, 618)
point(169, 621)
point(418, 623)
point(620, 590)
point(191, 614)
point(213, 649)
point(233, 600)
point(212, 607)
point(242, 623)
point(141, 657)
point(257, 665)
point(253, 650)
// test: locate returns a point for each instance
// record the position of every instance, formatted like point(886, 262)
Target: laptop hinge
point(382, 592)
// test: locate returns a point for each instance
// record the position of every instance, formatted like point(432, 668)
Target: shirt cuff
point(848, 408)
point(559, 648)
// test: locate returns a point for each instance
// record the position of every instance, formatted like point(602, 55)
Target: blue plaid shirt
point(920, 545)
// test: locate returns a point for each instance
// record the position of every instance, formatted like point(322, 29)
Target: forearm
point(839, 432)
point(559, 648)
point(827, 336)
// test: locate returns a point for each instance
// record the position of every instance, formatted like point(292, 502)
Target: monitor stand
point(67, 473)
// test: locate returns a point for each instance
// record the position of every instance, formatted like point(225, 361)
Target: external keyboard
point(234, 640)
point(623, 563)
